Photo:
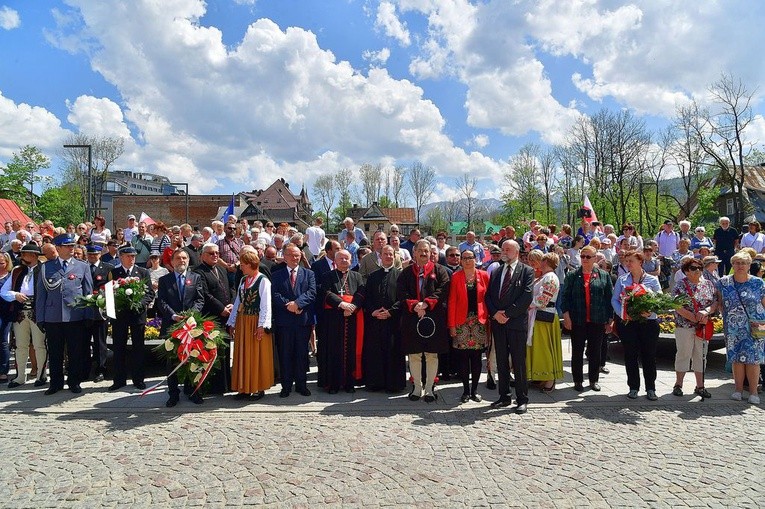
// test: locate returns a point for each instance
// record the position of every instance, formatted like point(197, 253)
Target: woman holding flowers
point(253, 370)
point(743, 299)
point(693, 316)
point(639, 334)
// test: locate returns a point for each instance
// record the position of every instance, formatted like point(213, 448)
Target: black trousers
point(639, 340)
point(72, 337)
point(96, 331)
point(724, 267)
point(593, 335)
point(511, 342)
point(293, 354)
point(121, 330)
point(470, 365)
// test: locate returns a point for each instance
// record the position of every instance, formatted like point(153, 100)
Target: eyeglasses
point(695, 269)
point(468, 258)
point(213, 253)
point(453, 255)
point(586, 257)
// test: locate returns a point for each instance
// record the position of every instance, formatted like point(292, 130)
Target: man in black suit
point(507, 300)
point(180, 292)
point(218, 304)
point(96, 323)
point(130, 323)
point(293, 292)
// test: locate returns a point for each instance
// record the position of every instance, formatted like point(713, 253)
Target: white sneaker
point(754, 399)
point(736, 396)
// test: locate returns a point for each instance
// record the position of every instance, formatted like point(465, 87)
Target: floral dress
point(703, 293)
point(471, 335)
point(741, 346)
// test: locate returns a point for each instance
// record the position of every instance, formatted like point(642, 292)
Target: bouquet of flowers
point(128, 294)
point(636, 300)
point(95, 300)
point(193, 344)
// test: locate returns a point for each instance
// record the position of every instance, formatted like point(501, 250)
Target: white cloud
point(9, 18)
point(391, 25)
point(478, 140)
point(22, 124)
point(377, 57)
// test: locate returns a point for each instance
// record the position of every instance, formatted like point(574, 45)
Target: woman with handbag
point(743, 307)
point(693, 328)
point(544, 353)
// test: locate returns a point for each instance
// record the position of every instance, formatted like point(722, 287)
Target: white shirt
point(130, 233)
point(27, 287)
point(315, 238)
point(755, 241)
point(667, 243)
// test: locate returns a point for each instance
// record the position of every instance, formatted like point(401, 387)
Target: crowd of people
point(367, 307)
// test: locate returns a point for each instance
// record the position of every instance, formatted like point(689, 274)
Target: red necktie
point(506, 282)
point(293, 278)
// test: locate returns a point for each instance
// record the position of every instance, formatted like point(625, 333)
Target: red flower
point(205, 356)
point(208, 325)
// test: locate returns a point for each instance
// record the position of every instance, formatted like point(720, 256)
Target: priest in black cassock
point(383, 361)
point(343, 326)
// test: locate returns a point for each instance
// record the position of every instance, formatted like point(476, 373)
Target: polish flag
point(588, 206)
point(146, 219)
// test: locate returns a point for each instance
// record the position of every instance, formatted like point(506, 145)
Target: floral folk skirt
point(471, 335)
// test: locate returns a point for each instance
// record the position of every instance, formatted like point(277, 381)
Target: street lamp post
point(640, 202)
point(89, 204)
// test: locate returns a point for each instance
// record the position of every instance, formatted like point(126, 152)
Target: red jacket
point(457, 309)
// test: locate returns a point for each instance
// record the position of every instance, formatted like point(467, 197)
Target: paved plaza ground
point(368, 449)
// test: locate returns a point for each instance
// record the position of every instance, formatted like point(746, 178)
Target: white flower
point(89, 297)
point(169, 345)
point(194, 353)
point(197, 378)
point(129, 291)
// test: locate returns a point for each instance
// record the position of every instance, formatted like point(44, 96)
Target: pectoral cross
point(341, 292)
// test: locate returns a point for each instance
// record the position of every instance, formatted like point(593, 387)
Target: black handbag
point(545, 316)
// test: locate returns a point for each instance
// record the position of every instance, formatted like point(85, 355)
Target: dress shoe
point(633, 394)
point(52, 390)
point(476, 397)
point(605, 370)
point(76, 389)
point(350, 389)
point(595, 386)
point(465, 398)
point(414, 395)
point(304, 391)
point(578, 387)
point(139, 385)
point(500, 403)
point(98, 378)
point(13, 384)
point(521, 409)
point(115, 387)
point(257, 396)
point(334, 391)
point(490, 383)
point(242, 396)
point(284, 393)
point(429, 398)
point(651, 395)
point(42, 382)
point(172, 401)
point(196, 399)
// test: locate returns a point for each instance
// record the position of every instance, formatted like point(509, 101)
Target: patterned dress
point(472, 334)
point(544, 356)
point(741, 346)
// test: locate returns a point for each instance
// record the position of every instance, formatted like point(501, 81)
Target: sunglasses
point(587, 257)
point(695, 269)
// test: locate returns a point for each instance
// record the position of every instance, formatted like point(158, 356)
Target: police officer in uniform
point(61, 281)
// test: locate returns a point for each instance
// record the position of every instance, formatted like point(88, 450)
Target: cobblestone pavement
point(570, 450)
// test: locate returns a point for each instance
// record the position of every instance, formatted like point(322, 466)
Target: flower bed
point(667, 324)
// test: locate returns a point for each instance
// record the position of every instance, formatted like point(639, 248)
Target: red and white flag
point(588, 206)
point(146, 219)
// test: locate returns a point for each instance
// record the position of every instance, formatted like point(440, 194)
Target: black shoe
point(578, 387)
point(13, 384)
point(500, 403)
point(333, 391)
point(241, 396)
point(52, 390)
point(490, 383)
point(76, 388)
point(98, 378)
point(258, 396)
point(595, 386)
point(116, 386)
point(350, 389)
point(429, 398)
point(284, 393)
point(413, 396)
point(701, 391)
point(521, 409)
point(139, 385)
point(445, 377)
point(476, 397)
point(304, 391)
point(172, 401)
point(604, 370)
point(196, 399)
point(465, 397)
point(42, 382)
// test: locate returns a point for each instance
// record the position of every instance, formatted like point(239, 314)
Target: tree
point(62, 205)
point(371, 182)
point(324, 187)
point(22, 171)
point(421, 180)
point(343, 182)
point(687, 155)
point(466, 187)
point(523, 180)
point(547, 177)
point(397, 181)
point(104, 152)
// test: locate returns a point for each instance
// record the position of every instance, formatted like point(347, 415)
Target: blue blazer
point(304, 295)
point(169, 299)
point(57, 305)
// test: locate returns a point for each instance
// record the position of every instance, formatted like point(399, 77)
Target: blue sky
point(228, 95)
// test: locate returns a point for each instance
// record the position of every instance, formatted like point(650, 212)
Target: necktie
point(293, 277)
point(506, 281)
point(92, 270)
point(65, 265)
point(180, 286)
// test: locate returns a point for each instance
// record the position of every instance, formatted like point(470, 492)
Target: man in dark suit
point(293, 292)
point(507, 300)
point(180, 292)
point(218, 304)
point(100, 272)
point(130, 324)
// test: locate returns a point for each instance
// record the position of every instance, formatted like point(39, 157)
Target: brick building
point(170, 210)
